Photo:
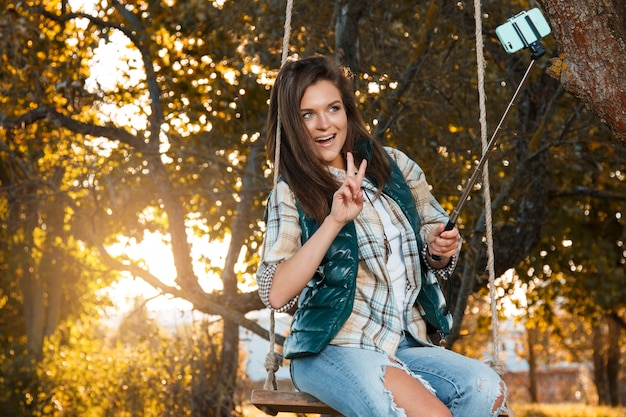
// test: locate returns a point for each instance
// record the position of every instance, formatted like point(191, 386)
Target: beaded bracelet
point(444, 272)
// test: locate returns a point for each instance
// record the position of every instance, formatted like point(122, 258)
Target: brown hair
point(306, 174)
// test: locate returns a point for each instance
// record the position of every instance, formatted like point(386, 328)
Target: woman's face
point(325, 118)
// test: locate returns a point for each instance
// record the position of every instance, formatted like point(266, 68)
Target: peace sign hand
point(348, 199)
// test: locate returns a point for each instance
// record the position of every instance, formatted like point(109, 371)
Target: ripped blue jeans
point(350, 380)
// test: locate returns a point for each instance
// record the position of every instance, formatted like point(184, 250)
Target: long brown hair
point(306, 174)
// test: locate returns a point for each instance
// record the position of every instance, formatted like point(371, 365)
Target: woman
point(352, 231)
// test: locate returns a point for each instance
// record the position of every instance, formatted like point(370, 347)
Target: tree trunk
point(52, 275)
point(52, 260)
point(239, 232)
point(31, 282)
point(591, 38)
point(349, 12)
point(599, 366)
point(613, 360)
point(228, 368)
point(531, 339)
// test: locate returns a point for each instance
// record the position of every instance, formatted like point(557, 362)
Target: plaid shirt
point(374, 323)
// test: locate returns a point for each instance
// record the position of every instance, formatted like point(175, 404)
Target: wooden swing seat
point(275, 401)
point(289, 402)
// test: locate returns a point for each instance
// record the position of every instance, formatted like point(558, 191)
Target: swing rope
point(273, 360)
point(283, 59)
point(496, 363)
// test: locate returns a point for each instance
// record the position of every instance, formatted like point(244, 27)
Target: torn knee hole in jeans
point(383, 374)
point(500, 399)
point(419, 378)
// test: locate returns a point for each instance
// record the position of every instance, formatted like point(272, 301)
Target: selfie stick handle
point(490, 146)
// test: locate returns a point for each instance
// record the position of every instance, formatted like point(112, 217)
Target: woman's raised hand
point(348, 199)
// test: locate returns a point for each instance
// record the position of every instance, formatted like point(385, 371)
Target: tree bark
point(31, 284)
point(239, 232)
point(591, 38)
point(349, 12)
point(531, 340)
point(599, 366)
point(52, 274)
point(613, 360)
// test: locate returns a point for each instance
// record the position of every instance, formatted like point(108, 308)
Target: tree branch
point(96, 21)
point(135, 37)
point(418, 55)
point(45, 112)
point(589, 192)
point(156, 115)
point(201, 301)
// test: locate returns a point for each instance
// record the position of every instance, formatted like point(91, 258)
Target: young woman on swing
point(351, 232)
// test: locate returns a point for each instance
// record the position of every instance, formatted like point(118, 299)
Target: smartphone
point(523, 30)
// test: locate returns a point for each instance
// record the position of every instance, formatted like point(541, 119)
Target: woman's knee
point(490, 390)
point(500, 401)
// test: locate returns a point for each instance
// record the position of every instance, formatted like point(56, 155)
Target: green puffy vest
point(326, 302)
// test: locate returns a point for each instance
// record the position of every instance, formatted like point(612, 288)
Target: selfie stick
point(485, 156)
point(537, 51)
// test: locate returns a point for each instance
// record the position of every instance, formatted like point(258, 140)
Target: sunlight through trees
point(124, 121)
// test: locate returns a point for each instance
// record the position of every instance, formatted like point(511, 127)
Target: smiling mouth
point(324, 139)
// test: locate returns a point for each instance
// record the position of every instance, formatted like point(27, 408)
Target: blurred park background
point(133, 179)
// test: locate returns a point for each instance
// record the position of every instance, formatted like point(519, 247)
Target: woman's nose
point(322, 122)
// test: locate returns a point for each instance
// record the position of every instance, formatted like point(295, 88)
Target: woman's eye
point(307, 115)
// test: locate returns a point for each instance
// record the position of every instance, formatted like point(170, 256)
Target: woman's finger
point(349, 165)
point(361, 174)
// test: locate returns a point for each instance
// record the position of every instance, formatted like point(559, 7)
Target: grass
point(252, 411)
point(566, 410)
point(522, 410)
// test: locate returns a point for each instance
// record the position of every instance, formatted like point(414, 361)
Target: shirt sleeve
point(281, 241)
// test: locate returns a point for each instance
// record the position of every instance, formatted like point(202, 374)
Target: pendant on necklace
point(387, 248)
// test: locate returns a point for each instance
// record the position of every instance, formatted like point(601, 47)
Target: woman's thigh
point(350, 380)
point(467, 386)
